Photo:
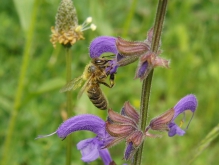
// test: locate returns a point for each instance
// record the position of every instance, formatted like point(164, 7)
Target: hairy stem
point(20, 88)
point(69, 105)
point(146, 85)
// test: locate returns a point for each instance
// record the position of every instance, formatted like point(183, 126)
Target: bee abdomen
point(97, 98)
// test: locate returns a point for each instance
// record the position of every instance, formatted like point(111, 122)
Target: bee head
point(91, 69)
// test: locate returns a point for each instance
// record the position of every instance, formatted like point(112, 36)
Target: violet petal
point(103, 44)
point(174, 129)
point(129, 151)
point(188, 102)
point(105, 156)
point(82, 122)
point(89, 149)
point(142, 69)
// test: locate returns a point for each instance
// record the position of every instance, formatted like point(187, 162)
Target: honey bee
point(94, 74)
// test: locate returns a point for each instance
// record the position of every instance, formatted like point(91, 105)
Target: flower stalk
point(146, 85)
point(69, 104)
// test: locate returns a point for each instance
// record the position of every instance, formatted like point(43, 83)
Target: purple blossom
point(188, 102)
point(166, 121)
point(105, 44)
point(127, 52)
point(91, 149)
point(96, 145)
point(102, 44)
point(129, 151)
point(124, 126)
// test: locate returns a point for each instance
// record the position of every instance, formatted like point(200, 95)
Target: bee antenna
point(109, 56)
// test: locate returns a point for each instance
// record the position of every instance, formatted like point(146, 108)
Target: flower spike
point(67, 31)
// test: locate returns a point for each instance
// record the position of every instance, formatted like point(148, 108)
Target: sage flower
point(105, 44)
point(91, 148)
point(142, 50)
point(166, 121)
point(66, 30)
point(124, 126)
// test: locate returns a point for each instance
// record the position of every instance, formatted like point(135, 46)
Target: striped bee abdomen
point(97, 97)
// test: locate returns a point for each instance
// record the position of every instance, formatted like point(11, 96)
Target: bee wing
point(85, 86)
point(73, 84)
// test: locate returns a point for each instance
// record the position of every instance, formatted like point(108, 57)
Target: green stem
point(146, 85)
point(20, 88)
point(69, 105)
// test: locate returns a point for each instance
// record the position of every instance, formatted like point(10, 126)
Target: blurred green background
point(190, 39)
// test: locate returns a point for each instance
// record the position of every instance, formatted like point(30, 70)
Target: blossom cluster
point(123, 126)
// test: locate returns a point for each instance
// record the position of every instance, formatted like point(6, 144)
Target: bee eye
point(98, 61)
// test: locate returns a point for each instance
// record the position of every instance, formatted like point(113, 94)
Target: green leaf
point(203, 145)
point(50, 85)
point(24, 8)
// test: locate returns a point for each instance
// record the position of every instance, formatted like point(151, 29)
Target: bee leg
point(112, 77)
point(104, 83)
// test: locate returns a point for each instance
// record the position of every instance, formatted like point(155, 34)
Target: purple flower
point(105, 44)
point(125, 126)
point(188, 102)
point(166, 121)
point(127, 52)
point(132, 50)
point(91, 148)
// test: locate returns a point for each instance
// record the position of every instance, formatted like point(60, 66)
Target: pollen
point(181, 123)
point(66, 38)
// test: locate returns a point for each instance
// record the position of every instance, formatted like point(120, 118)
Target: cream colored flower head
point(66, 30)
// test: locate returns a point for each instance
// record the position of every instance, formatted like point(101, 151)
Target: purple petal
point(142, 69)
point(129, 151)
point(103, 44)
point(105, 156)
point(119, 57)
point(82, 122)
point(188, 102)
point(113, 66)
point(89, 149)
point(175, 129)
